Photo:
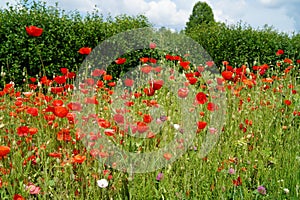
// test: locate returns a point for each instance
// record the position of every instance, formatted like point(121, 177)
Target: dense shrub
point(64, 34)
point(240, 44)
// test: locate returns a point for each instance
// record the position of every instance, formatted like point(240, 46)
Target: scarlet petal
point(60, 111)
point(167, 156)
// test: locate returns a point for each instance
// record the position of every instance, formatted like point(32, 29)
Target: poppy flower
point(237, 182)
point(120, 61)
point(279, 52)
point(22, 131)
point(107, 77)
point(60, 79)
point(210, 63)
point(119, 119)
point(34, 31)
point(18, 197)
point(91, 100)
point(144, 59)
point(4, 150)
point(33, 189)
point(60, 111)
point(147, 118)
point(211, 106)
point(146, 69)
point(227, 75)
point(128, 82)
point(156, 84)
point(287, 102)
point(32, 131)
point(167, 156)
point(109, 132)
point(149, 91)
point(55, 155)
point(201, 98)
point(85, 50)
point(185, 65)
point(152, 45)
point(201, 124)
point(78, 159)
point(142, 127)
point(32, 111)
point(98, 72)
point(75, 106)
point(183, 92)
point(57, 102)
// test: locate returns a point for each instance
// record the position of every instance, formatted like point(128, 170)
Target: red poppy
point(119, 119)
point(120, 61)
point(32, 79)
point(156, 84)
point(60, 111)
point(146, 69)
point(201, 124)
point(89, 81)
point(237, 182)
point(32, 131)
point(152, 45)
point(109, 132)
point(32, 111)
point(192, 80)
point(4, 150)
point(107, 77)
point(56, 90)
point(18, 197)
point(142, 127)
point(34, 31)
point(149, 91)
point(152, 60)
point(60, 79)
point(201, 98)
point(227, 75)
point(167, 156)
point(98, 72)
point(57, 102)
point(287, 102)
point(75, 106)
point(128, 82)
point(85, 50)
point(64, 70)
point(185, 65)
point(144, 59)
point(22, 131)
point(147, 118)
point(55, 155)
point(91, 100)
point(211, 106)
point(210, 63)
point(78, 159)
point(183, 92)
point(279, 52)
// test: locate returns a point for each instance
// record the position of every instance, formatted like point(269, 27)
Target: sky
point(283, 15)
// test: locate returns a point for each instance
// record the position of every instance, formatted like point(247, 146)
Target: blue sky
point(283, 15)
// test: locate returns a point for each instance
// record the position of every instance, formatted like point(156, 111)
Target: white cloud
point(282, 14)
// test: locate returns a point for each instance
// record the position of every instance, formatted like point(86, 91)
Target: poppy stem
point(39, 54)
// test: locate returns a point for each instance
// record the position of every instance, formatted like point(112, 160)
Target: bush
point(64, 34)
point(240, 44)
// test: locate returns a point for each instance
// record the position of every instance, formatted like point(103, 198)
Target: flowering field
point(47, 153)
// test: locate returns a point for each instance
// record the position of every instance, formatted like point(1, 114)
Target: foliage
point(202, 14)
point(241, 44)
point(64, 34)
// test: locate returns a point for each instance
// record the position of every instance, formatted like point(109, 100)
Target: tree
point(202, 14)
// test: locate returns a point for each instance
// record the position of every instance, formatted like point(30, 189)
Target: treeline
point(64, 33)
